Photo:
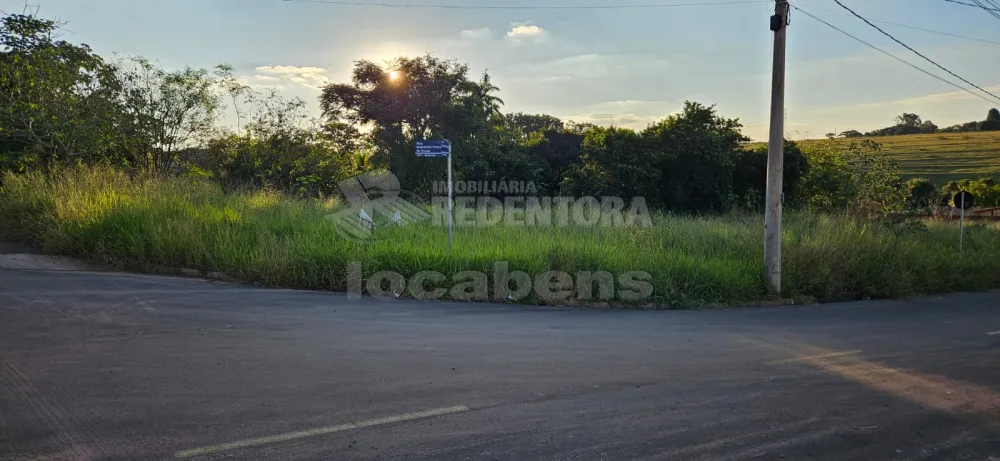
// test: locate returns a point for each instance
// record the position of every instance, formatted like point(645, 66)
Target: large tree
point(696, 152)
point(57, 99)
point(423, 98)
point(165, 112)
point(992, 122)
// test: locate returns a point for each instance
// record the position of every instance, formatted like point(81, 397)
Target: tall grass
point(274, 240)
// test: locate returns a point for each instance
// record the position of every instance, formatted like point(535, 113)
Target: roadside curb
point(191, 273)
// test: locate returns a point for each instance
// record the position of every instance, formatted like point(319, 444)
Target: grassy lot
point(271, 240)
point(940, 157)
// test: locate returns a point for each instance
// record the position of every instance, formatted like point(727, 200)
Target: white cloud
point(482, 33)
point(261, 81)
point(635, 114)
point(290, 70)
point(908, 103)
point(633, 121)
point(279, 76)
point(525, 31)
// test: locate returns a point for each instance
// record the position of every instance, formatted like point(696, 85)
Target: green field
point(940, 157)
point(275, 240)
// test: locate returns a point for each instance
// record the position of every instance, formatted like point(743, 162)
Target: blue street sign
point(435, 148)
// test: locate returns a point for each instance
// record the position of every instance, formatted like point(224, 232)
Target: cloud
point(525, 31)
point(633, 121)
point(287, 70)
point(482, 33)
point(261, 81)
point(635, 114)
point(278, 76)
point(905, 103)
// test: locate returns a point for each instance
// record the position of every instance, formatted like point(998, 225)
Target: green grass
point(940, 157)
point(272, 240)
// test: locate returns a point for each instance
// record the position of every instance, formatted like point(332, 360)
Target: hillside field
point(940, 157)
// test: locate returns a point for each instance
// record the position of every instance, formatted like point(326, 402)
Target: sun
point(394, 75)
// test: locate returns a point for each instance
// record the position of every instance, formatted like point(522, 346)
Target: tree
point(694, 154)
point(57, 100)
point(831, 135)
point(613, 163)
point(859, 178)
point(552, 152)
point(992, 122)
point(428, 98)
point(908, 120)
point(531, 123)
point(281, 147)
point(921, 193)
point(851, 134)
point(165, 111)
point(750, 175)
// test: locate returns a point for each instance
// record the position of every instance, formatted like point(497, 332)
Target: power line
point(895, 57)
point(970, 4)
point(988, 10)
point(937, 32)
point(915, 51)
point(909, 26)
point(526, 7)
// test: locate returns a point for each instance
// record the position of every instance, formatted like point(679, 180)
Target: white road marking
point(317, 431)
point(994, 333)
point(817, 357)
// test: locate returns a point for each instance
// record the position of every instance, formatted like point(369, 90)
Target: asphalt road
point(104, 366)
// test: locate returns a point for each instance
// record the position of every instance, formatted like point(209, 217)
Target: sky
point(626, 67)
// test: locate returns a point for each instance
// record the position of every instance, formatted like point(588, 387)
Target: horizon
point(577, 64)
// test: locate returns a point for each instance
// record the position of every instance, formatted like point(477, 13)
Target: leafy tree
point(992, 122)
point(851, 134)
point(612, 164)
point(165, 112)
point(908, 120)
point(858, 178)
point(57, 99)
point(531, 123)
point(750, 175)
point(921, 193)
point(695, 153)
point(552, 153)
point(963, 128)
point(986, 191)
point(279, 147)
point(429, 98)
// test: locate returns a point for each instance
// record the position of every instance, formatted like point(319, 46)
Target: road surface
point(111, 366)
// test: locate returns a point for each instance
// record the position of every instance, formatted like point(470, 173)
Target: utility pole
point(774, 195)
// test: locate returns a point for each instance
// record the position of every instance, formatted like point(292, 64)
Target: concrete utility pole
point(774, 195)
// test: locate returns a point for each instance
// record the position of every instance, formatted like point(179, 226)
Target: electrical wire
point(988, 10)
point(949, 82)
point(527, 7)
point(910, 26)
point(969, 4)
point(915, 51)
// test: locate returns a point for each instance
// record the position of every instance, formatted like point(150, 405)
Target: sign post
point(450, 201)
point(440, 148)
point(963, 201)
